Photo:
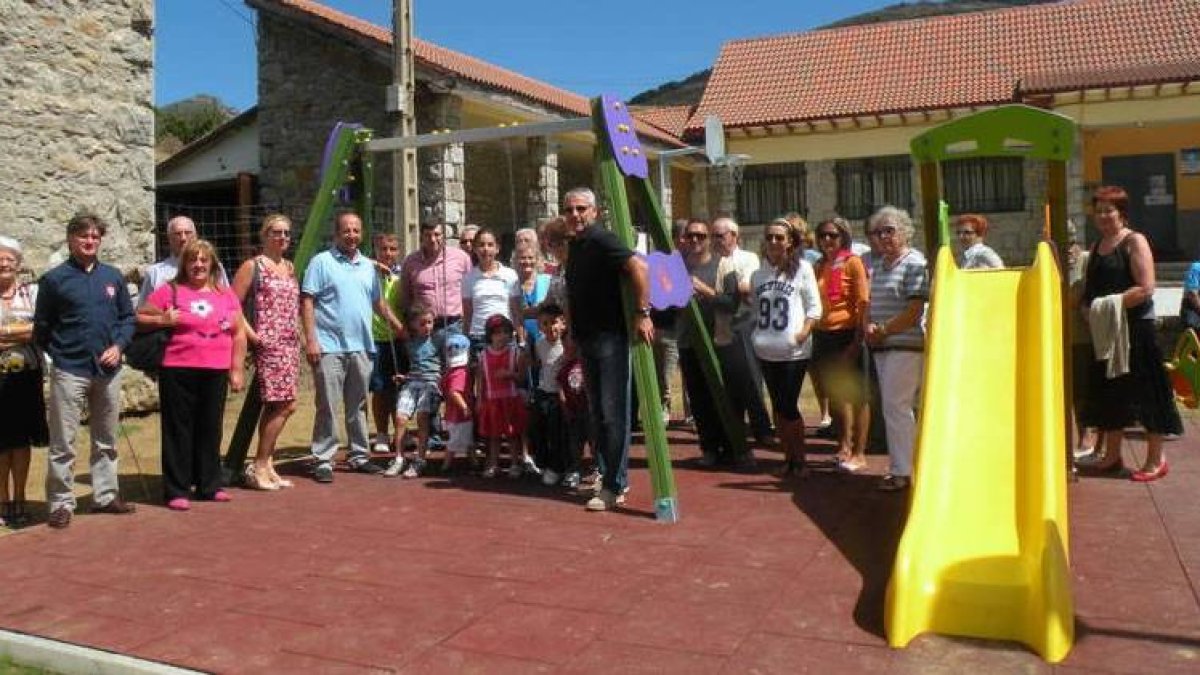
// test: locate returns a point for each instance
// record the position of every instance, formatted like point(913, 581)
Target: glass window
point(984, 185)
point(864, 185)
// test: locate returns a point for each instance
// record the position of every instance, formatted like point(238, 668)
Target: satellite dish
point(714, 138)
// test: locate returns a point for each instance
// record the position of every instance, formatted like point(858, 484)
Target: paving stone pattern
point(497, 576)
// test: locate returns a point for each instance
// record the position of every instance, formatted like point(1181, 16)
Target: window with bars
point(769, 190)
point(984, 185)
point(864, 185)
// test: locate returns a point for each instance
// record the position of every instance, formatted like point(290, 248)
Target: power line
point(243, 17)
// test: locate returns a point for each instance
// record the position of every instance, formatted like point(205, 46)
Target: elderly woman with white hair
point(894, 332)
point(21, 396)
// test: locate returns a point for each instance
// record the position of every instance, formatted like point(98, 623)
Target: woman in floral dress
point(276, 342)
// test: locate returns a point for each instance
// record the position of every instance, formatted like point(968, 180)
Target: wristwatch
point(643, 311)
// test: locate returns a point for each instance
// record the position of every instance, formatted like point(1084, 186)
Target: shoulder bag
point(145, 352)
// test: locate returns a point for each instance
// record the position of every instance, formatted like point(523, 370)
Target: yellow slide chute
point(984, 553)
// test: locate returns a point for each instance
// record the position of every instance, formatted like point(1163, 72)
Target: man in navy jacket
point(84, 320)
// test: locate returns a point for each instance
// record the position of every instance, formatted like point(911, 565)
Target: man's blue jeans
point(606, 367)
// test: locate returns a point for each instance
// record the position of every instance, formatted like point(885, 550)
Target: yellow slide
point(984, 553)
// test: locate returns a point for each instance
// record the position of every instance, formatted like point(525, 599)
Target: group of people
point(453, 339)
point(798, 312)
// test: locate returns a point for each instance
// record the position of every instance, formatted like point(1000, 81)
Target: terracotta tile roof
point(1114, 76)
point(949, 61)
point(455, 63)
point(672, 119)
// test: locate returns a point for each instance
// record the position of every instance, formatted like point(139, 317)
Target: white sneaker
point(549, 477)
point(1080, 453)
point(826, 422)
point(605, 501)
point(395, 467)
point(382, 445)
point(530, 465)
point(571, 480)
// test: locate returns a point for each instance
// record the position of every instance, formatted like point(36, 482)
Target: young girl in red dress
point(501, 409)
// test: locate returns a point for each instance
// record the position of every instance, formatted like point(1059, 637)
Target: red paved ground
point(471, 575)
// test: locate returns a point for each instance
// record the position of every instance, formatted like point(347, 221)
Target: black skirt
point(1142, 395)
point(24, 407)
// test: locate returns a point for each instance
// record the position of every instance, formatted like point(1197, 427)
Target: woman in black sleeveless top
point(1122, 263)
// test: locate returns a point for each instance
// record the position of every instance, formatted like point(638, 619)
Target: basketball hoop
point(734, 164)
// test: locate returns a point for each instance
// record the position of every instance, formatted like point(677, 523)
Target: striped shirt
point(892, 286)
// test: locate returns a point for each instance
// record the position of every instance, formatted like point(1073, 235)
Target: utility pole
point(401, 102)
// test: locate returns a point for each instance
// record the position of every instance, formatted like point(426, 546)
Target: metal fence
point(233, 230)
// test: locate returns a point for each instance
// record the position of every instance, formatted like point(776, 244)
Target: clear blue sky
point(207, 46)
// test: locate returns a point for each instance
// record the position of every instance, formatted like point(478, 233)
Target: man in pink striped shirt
point(432, 276)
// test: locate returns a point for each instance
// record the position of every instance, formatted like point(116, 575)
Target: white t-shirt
point(781, 306)
point(744, 263)
point(550, 356)
point(489, 294)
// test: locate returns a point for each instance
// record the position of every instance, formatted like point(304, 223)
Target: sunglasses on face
point(696, 236)
point(776, 237)
point(827, 235)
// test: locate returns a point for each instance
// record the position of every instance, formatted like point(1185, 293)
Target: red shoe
point(1141, 476)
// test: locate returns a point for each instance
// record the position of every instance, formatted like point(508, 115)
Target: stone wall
point(76, 125)
point(306, 84)
point(77, 133)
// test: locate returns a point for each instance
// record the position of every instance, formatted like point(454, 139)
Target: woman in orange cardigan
point(837, 345)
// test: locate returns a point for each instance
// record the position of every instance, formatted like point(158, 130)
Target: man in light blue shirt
point(340, 290)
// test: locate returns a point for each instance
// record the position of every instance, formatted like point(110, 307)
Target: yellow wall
point(1150, 139)
point(842, 144)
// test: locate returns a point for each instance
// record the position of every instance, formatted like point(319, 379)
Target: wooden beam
point(405, 181)
point(481, 134)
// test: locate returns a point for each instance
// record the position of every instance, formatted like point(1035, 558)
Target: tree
point(190, 118)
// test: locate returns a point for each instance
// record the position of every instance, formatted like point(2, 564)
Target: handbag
point(250, 302)
point(145, 352)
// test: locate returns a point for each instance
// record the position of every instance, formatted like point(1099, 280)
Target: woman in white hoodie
point(1120, 269)
point(787, 305)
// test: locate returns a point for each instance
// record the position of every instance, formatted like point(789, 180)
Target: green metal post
point(666, 504)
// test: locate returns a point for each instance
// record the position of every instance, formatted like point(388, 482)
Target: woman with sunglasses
point(896, 337)
point(837, 340)
point(274, 333)
point(788, 305)
point(971, 229)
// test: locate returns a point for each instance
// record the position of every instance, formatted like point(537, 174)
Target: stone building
point(77, 125)
point(318, 66)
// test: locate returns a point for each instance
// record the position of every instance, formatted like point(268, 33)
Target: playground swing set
point(347, 173)
point(985, 551)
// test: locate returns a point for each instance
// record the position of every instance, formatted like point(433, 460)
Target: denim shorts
point(418, 396)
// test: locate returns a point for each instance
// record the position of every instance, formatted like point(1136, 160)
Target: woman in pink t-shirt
point(202, 358)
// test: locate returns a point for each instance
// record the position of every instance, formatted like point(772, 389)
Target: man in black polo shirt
point(83, 320)
point(599, 327)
